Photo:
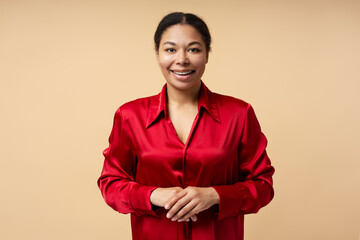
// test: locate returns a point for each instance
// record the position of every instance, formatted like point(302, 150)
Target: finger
point(174, 199)
point(178, 206)
point(193, 218)
point(180, 214)
point(191, 214)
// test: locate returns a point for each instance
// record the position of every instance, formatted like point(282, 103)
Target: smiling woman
point(186, 163)
point(182, 57)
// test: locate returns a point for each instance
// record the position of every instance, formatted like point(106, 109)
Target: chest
point(183, 120)
point(208, 156)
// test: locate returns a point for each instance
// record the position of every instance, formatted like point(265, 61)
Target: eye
point(194, 50)
point(170, 50)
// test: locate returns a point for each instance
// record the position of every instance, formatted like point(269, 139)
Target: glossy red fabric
point(225, 150)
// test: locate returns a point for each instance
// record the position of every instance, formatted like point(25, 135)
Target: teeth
point(182, 73)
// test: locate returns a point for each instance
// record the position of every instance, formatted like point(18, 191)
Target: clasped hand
point(184, 204)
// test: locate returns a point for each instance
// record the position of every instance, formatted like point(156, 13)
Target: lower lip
point(182, 77)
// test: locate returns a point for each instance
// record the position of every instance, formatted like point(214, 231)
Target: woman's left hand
point(190, 201)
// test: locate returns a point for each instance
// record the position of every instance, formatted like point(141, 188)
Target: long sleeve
point(116, 182)
point(254, 190)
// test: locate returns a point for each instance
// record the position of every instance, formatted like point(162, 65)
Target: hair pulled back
point(182, 18)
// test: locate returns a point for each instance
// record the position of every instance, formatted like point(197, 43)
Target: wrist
point(153, 197)
point(215, 196)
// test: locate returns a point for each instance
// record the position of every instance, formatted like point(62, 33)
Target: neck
point(183, 97)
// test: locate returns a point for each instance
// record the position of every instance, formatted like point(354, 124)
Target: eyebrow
point(174, 44)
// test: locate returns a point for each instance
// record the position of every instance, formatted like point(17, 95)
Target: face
point(182, 56)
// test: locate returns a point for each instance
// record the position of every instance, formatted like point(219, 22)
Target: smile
point(183, 73)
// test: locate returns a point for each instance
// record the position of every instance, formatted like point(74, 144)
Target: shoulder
point(136, 107)
point(137, 103)
point(235, 109)
point(229, 103)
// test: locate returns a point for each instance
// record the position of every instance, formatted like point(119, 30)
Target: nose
point(182, 58)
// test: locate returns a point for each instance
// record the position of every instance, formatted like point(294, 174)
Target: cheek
point(199, 61)
point(165, 61)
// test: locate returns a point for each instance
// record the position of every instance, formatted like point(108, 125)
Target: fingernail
point(180, 220)
point(166, 206)
point(168, 215)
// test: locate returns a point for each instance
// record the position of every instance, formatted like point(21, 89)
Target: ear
point(157, 56)
point(207, 57)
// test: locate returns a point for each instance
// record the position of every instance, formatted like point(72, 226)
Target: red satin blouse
point(225, 150)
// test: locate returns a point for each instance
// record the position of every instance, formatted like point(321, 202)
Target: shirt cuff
point(140, 200)
point(229, 201)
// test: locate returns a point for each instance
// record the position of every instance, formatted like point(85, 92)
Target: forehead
point(181, 33)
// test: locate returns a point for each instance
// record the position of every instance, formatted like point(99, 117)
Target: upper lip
point(184, 70)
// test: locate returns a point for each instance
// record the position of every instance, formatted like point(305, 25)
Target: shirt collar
point(158, 105)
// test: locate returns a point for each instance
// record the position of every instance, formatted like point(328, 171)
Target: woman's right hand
point(160, 196)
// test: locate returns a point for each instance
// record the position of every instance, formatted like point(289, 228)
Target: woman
point(187, 163)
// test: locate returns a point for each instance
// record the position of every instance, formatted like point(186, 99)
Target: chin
point(184, 85)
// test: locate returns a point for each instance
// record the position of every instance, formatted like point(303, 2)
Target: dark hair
point(182, 18)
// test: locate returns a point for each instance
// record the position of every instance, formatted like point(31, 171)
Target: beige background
point(65, 66)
